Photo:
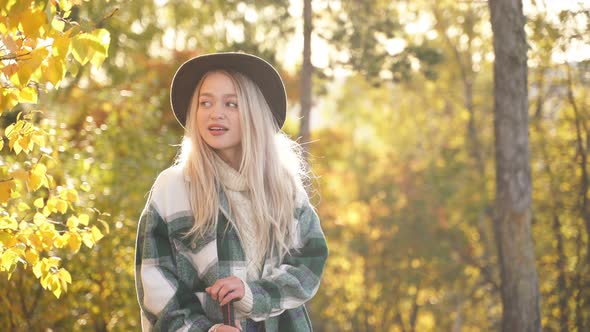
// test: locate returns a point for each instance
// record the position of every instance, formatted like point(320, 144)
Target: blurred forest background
point(402, 143)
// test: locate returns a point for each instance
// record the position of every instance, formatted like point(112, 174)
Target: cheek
point(200, 126)
point(236, 120)
point(200, 119)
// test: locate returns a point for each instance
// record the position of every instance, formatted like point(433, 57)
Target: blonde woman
point(228, 230)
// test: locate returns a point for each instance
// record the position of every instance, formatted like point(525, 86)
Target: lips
point(217, 129)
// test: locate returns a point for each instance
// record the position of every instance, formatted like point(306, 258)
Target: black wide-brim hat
point(258, 70)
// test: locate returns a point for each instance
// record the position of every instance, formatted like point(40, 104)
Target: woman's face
point(218, 117)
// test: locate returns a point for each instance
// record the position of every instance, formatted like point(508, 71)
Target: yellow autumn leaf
point(62, 206)
point(72, 222)
point(83, 219)
point(7, 239)
point(6, 188)
point(81, 49)
point(85, 186)
point(37, 177)
point(48, 236)
point(23, 143)
point(65, 5)
point(39, 219)
point(54, 286)
point(8, 99)
point(27, 95)
point(92, 46)
point(101, 49)
point(32, 256)
point(23, 236)
point(39, 169)
point(50, 181)
point(13, 130)
point(8, 259)
point(96, 234)
point(28, 66)
point(22, 206)
point(39, 203)
point(44, 277)
point(15, 194)
point(70, 195)
point(98, 58)
point(61, 241)
point(53, 262)
point(35, 241)
point(58, 24)
point(61, 46)
point(32, 24)
point(106, 226)
point(20, 174)
point(8, 222)
point(38, 138)
point(65, 278)
point(50, 206)
point(88, 239)
point(54, 71)
point(23, 225)
point(72, 67)
point(37, 269)
point(74, 242)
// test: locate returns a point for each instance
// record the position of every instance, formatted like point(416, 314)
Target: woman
point(229, 225)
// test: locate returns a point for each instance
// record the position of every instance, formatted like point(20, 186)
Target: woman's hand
point(227, 289)
point(227, 328)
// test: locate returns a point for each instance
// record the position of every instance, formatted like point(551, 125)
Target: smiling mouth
point(217, 129)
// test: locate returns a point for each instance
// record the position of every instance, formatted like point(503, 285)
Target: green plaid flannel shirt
point(172, 271)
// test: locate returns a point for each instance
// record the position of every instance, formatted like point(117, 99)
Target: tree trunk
point(306, 72)
point(512, 219)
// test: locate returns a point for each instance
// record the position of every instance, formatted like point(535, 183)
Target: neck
point(232, 159)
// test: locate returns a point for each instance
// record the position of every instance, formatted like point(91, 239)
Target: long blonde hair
point(271, 165)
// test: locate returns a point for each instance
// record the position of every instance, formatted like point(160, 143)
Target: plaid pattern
point(172, 271)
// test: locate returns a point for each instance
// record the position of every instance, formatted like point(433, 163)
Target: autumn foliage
point(41, 217)
point(402, 146)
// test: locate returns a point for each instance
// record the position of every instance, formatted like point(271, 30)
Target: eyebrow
point(207, 94)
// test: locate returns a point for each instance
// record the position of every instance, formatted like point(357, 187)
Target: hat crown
point(262, 73)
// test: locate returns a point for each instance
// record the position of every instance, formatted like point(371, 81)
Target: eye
point(204, 103)
point(231, 104)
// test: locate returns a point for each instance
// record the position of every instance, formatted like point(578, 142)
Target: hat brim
point(258, 70)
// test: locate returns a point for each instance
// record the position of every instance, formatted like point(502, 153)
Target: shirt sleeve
point(297, 278)
point(244, 305)
point(166, 304)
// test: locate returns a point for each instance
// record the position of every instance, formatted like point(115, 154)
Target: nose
point(216, 113)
